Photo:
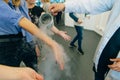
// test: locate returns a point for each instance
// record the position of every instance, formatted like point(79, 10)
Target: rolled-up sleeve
point(15, 18)
point(88, 6)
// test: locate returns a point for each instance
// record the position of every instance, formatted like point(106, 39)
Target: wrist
point(58, 32)
point(61, 6)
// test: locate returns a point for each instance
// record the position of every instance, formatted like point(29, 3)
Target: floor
point(77, 66)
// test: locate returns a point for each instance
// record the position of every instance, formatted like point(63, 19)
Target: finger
point(112, 66)
point(116, 69)
point(39, 77)
point(115, 60)
point(54, 13)
point(51, 7)
point(61, 66)
point(55, 10)
point(52, 10)
point(67, 38)
point(65, 32)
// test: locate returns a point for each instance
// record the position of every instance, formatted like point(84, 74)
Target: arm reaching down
point(32, 28)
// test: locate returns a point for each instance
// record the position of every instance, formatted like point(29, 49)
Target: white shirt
point(95, 7)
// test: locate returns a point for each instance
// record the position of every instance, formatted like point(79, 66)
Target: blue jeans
point(78, 37)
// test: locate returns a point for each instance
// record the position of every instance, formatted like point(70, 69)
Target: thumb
point(115, 60)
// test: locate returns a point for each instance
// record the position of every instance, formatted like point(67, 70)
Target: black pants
point(58, 17)
point(110, 51)
point(12, 53)
point(28, 55)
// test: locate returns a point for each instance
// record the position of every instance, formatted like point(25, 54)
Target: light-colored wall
point(95, 23)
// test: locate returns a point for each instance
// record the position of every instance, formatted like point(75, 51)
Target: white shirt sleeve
point(88, 6)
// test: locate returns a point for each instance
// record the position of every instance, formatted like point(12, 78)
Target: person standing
point(109, 45)
point(35, 12)
point(14, 29)
point(23, 47)
point(78, 24)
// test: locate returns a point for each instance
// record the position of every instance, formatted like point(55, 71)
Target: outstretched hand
point(64, 35)
point(18, 73)
point(29, 74)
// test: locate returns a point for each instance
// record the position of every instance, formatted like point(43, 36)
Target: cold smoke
point(50, 68)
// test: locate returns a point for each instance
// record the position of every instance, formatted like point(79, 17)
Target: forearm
point(55, 30)
point(30, 27)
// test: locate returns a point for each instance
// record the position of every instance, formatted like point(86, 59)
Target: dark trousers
point(12, 53)
point(58, 17)
point(78, 37)
point(28, 55)
point(110, 51)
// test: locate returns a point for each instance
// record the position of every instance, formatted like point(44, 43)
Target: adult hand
point(116, 65)
point(37, 50)
point(18, 73)
point(80, 21)
point(29, 74)
point(56, 7)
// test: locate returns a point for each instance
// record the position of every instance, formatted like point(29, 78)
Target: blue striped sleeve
point(73, 17)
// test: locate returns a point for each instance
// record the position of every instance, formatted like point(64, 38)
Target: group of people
point(106, 62)
point(18, 28)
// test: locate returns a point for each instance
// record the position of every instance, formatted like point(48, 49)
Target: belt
point(11, 38)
